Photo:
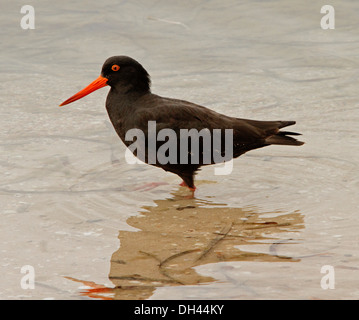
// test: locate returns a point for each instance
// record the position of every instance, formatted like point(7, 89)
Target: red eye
point(115, 67)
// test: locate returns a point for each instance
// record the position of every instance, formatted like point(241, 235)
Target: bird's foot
point(184, 184)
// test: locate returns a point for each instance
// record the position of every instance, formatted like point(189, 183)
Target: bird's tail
point(284, 137)
point(274, 135)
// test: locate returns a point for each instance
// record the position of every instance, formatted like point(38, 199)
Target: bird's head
point(121, 73)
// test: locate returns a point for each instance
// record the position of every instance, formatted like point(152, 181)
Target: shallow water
point(72, 207)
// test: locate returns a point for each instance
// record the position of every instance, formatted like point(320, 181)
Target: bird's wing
point(178, 114)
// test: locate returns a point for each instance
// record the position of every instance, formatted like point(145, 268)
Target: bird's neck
point(121, 103)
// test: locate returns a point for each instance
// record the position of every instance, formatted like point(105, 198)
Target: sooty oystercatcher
point(131, 105)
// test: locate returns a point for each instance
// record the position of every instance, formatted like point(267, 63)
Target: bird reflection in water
point(180, 233)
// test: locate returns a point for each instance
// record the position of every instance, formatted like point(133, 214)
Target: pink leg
point(184, 184)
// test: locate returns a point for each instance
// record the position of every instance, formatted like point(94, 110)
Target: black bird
point(131, 105)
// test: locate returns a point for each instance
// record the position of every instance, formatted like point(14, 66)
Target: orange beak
point(100, 82)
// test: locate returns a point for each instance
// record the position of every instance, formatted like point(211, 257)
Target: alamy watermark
point(328, 20)
point(28, 280)
point(188, 146)
point(328, 280)
point(28, 20)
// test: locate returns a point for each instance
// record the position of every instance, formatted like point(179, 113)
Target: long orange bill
point(100, 82)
